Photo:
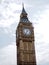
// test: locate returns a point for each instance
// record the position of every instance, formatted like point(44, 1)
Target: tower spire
point(23, 10)
point(23, 16)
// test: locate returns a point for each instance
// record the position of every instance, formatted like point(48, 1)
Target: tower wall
point(25, 41)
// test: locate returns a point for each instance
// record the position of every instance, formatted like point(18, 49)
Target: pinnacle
point(23, 10)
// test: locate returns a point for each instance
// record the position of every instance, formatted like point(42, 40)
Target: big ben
point(25, 41)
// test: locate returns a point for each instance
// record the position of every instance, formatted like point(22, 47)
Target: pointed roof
point(23, 10)
point(23, 16)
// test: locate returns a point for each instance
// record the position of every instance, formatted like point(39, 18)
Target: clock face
point(26, 31)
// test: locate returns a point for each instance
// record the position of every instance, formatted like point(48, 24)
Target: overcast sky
point(38, 14)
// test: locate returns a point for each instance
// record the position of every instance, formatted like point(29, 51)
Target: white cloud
point(9, 15)
point(42, 38)
point(8, 55)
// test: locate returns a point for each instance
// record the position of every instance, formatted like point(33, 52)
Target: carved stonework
point(25, 41)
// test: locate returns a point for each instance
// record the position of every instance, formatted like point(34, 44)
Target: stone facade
point(25, 43)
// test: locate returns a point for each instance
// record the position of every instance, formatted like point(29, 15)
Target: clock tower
point(25, 41)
